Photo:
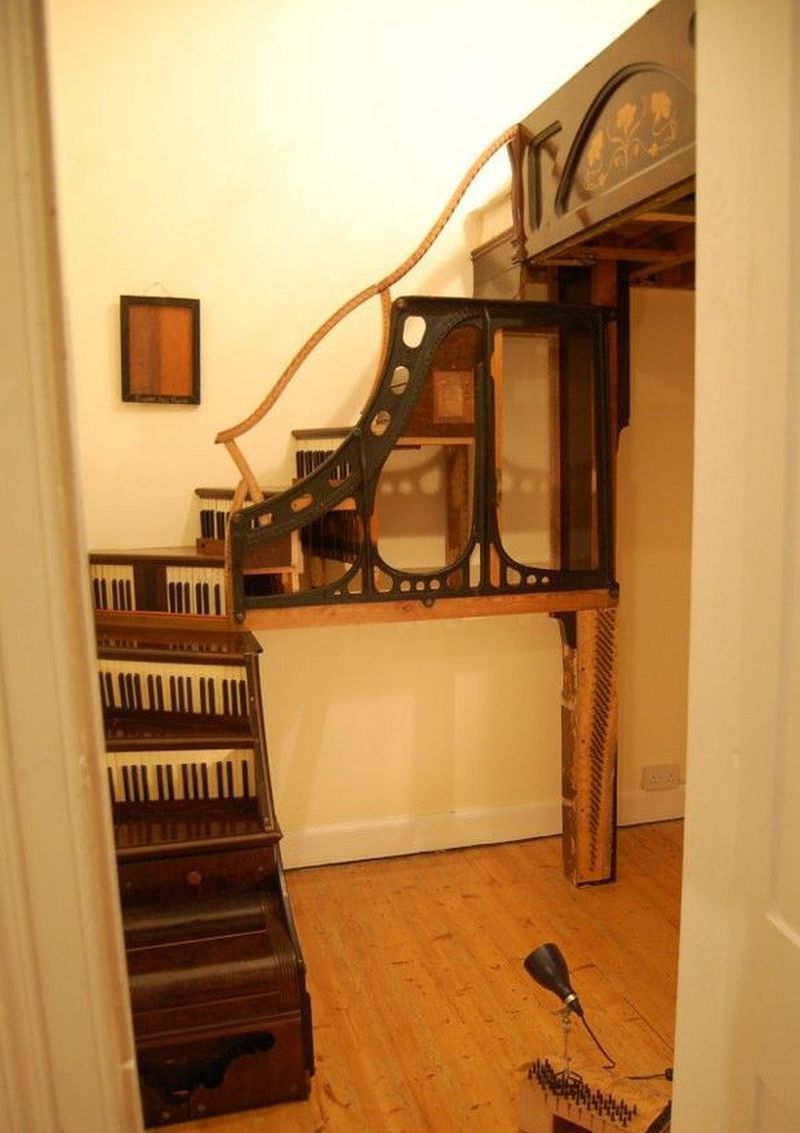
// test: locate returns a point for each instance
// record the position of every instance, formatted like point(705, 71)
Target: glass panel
point(424, 505)
point(528, 446)
point(425, 491)
point(547, 511)
point(329, 547)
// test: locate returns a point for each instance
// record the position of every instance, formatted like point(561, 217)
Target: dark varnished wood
point(221, 1015)
point(604, 169)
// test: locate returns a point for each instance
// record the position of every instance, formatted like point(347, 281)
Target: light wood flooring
point(424, 1018)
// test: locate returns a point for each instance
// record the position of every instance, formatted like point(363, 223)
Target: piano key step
point(181, 776)
point(130, 685)
point(174, 580)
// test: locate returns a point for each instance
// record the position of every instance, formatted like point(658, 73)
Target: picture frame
point(160, 339)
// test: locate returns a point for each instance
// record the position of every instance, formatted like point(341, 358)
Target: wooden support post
point(589, 744)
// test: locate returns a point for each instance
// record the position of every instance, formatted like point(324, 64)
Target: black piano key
point(204, 791)
point(231, 792)
point(126, 785)
point(246, 790)
point(226, 706)
point(185, 781)
point(217, 599)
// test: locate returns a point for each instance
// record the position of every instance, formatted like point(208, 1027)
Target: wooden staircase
point(221, 1014)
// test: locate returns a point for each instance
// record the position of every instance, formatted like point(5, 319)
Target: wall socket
point(660, 776)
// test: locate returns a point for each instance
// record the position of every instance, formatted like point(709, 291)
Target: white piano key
point(165, 776)
point(185, 688)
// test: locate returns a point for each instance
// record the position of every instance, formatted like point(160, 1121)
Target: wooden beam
point(664, 217)
point(655, 269)
point(590, 252)
point(413, 610)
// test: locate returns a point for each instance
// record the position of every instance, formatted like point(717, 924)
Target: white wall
point(654, 545)
point(738, 1025)
point(272, 159)
point(67, 1058)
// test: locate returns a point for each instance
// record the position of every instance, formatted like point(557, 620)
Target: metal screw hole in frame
point(414, 328)
point(400, 379)
point(380, 422)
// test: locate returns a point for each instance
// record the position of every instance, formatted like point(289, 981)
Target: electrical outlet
point(660, 776)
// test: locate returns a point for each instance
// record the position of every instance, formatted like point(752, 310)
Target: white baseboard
point(474, 826)
point(635, 807)
point(417, 833)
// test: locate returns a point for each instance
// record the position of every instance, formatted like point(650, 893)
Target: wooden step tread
point(172, 643)
point(232, 915)
point(168, 556)
point(166, 831)
point(179, 731)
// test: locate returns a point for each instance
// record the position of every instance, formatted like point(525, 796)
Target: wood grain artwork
point(160, 349)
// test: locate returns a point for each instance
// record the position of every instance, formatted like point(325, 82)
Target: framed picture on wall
point(160, 349)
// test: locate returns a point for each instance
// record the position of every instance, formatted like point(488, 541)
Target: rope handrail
point(228, 436)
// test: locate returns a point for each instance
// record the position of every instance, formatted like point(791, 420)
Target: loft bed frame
point(603, 171)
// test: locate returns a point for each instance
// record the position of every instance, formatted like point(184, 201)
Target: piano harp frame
point(383, 426)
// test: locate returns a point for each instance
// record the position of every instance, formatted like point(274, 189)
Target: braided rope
point(228, 436)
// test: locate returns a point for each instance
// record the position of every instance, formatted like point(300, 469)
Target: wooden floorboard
point(424, 1018)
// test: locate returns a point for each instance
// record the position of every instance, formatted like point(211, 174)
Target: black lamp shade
point(548, 967)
